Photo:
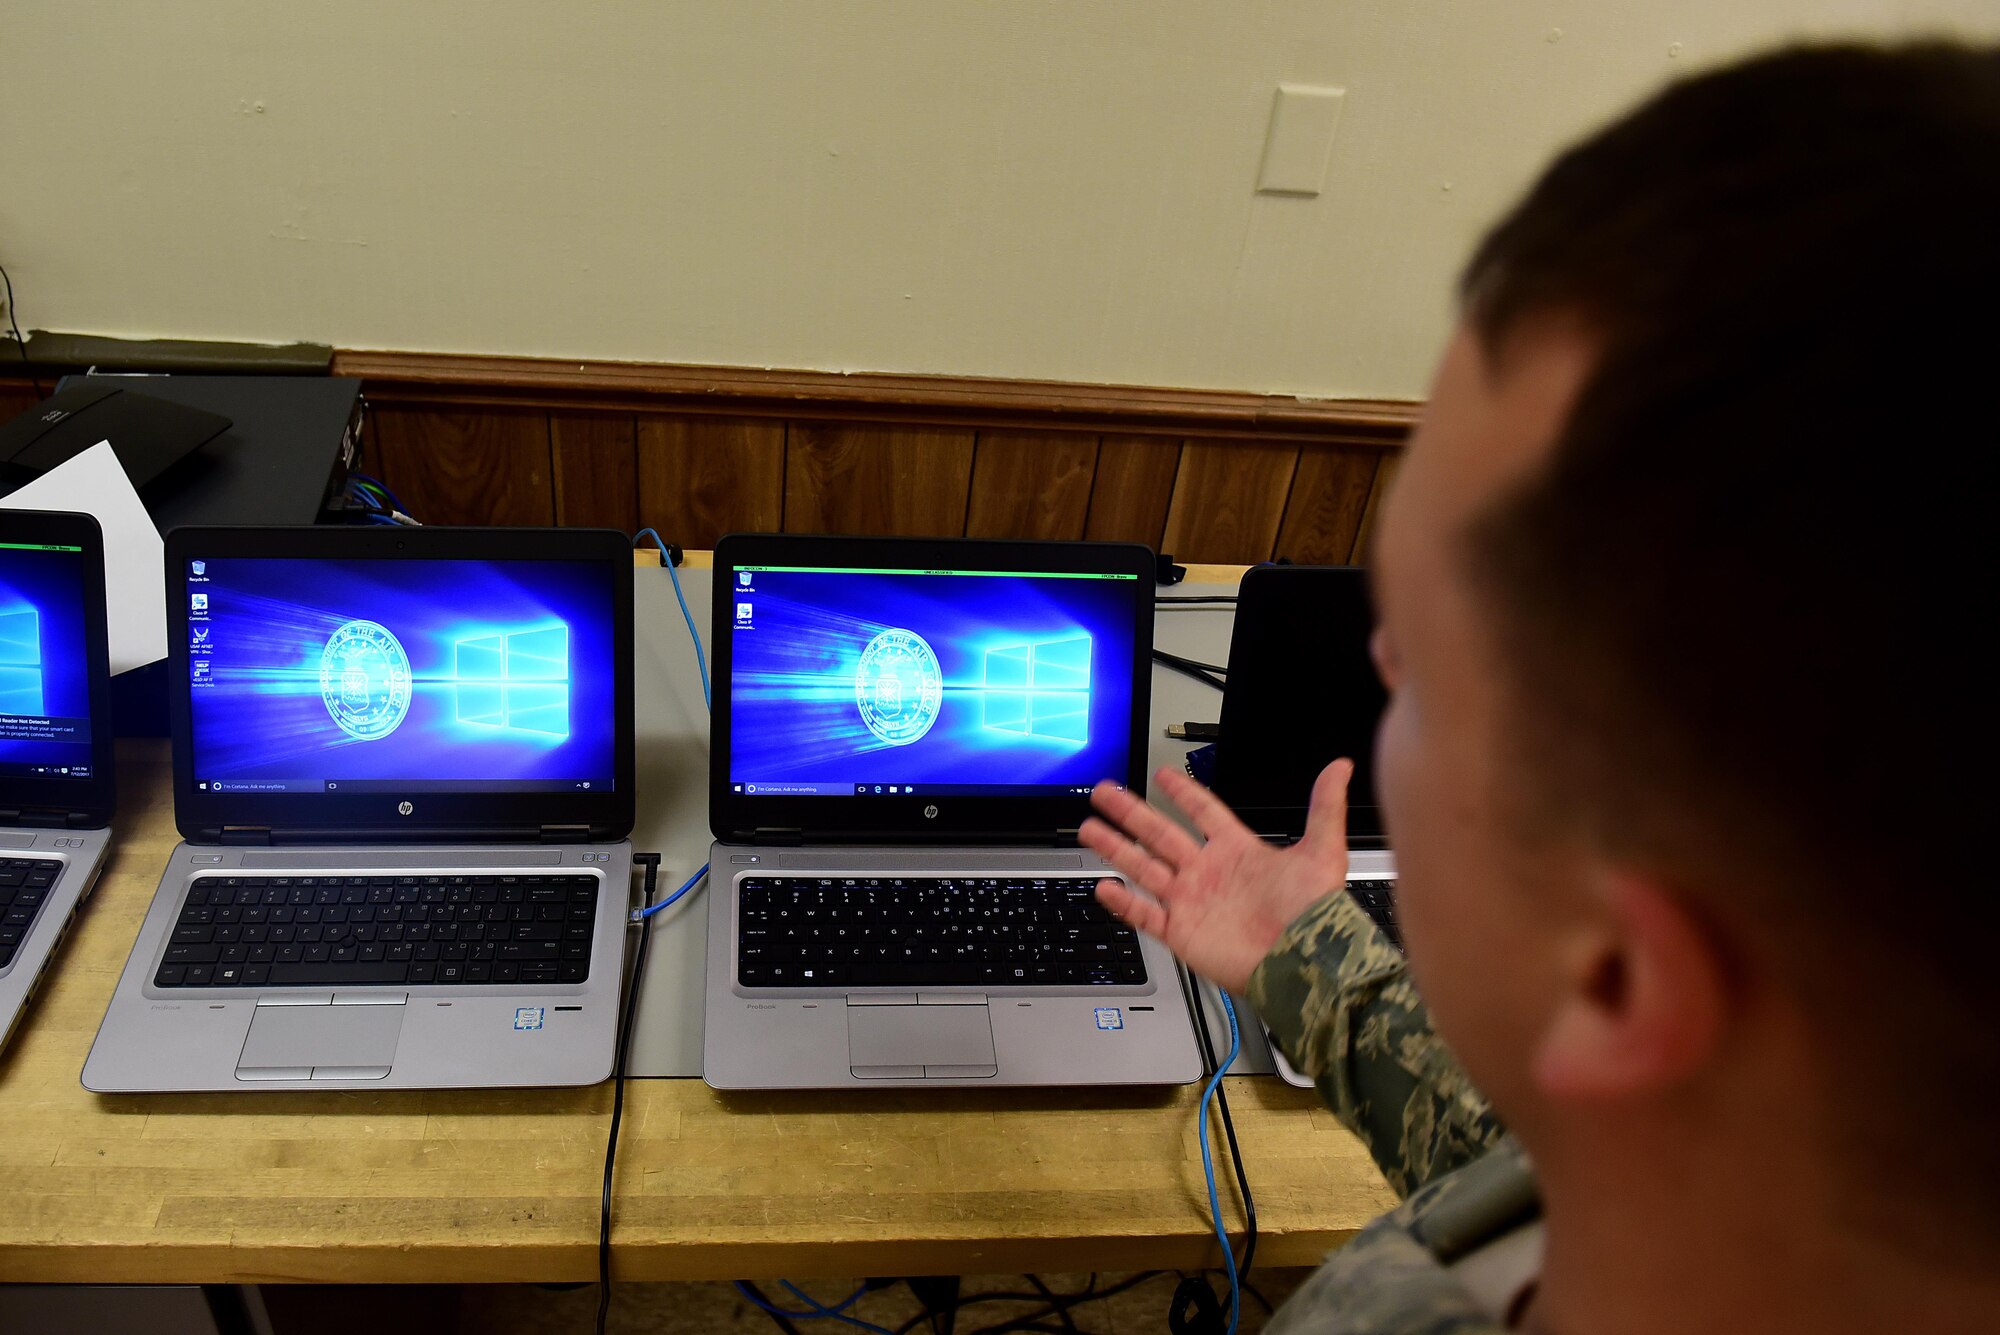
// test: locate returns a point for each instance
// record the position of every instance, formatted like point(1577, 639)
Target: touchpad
point(349, 1039)
point(898, 1038)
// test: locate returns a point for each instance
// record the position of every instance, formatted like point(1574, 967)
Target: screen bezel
point(740, 818)
point(202, 816)
point(1264, 646)
point(93, 798)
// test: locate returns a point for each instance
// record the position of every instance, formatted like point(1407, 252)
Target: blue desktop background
point(44, 664)
point(793, 711)
point(268, 621)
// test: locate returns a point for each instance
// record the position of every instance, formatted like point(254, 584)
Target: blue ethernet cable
point(837, 1311)
point(667, 559)
point(687, 885)
point(1208, 1158)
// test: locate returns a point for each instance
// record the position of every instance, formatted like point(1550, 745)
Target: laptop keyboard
point(24, 884)
point(1378, 900)
point(353, 931)
point(908, 931)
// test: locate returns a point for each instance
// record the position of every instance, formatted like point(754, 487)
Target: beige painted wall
point(1059, 190)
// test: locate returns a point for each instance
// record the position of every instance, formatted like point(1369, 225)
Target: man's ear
point(1645, 996)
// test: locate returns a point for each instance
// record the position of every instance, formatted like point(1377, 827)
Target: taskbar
point(365, 787)
point(12, 770)
point(788, 789)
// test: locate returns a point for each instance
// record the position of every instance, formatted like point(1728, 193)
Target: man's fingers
point(1326, 818)
point(1148, 871)
point(1132, 908)
point(1144, 823)
point(1204, 808)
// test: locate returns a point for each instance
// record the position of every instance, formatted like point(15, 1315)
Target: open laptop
point(1303, 692)
point(55, 739)
point(403, 773)
point(905, 735)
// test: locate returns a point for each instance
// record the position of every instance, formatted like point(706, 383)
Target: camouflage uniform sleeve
point(1338, 999)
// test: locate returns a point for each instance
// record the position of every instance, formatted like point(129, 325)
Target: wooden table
point(468, 1186)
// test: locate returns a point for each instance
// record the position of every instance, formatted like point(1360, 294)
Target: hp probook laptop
point(55, 739)
point(905, 736)
point(403, 774)
point(1303, 692)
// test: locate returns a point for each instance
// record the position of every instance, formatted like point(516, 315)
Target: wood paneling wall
point(698, 452)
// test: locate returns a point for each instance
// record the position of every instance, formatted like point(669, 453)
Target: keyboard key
point(350, 974)
point(1378, 900)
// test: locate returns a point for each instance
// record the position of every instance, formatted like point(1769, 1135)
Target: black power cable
point(1206, 673)
point(1214, 598)
point(19, 341)
point(651, 862)
point(1062, 1313)
point(1059, 1306)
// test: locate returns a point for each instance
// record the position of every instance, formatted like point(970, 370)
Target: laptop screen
point(45, 728)
point(894, 682)
point(1303, 692)
point(309, 675)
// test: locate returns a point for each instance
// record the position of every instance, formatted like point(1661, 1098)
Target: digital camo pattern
point(1338, 999)
point(1393, 1279)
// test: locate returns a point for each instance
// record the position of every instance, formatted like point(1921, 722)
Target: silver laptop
point(1276, 739)
point(55, 739)
point(905, 735)
point(403, 773)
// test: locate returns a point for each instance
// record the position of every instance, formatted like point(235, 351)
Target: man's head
point(1690, 753)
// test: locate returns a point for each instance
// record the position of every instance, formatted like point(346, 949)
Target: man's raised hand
point(1221, 901)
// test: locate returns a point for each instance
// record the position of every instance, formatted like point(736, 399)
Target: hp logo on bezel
point(930, 812)
point(404, 808)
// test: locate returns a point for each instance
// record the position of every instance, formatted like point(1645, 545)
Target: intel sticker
point(1110, 1017)
point(530, 1017)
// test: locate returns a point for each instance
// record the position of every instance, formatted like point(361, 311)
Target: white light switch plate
point(1299, 142)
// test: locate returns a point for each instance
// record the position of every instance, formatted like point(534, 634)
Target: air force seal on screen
point(898, 686)
point(364, 678)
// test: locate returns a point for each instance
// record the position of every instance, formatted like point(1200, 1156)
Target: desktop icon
point(743, 578)
point(198, 602)
point(200, 568)
point(742, 612)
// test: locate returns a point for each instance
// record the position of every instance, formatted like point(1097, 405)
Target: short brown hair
point(1740, 606)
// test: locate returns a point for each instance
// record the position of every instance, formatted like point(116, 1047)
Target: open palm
point(1219, 902)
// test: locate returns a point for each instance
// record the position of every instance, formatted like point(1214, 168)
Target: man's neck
point(1675, 1251)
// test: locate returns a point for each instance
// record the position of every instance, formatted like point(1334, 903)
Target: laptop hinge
point(788, 836)
point(246, 834)
point(40, 818)
point(1066, 838)
point(565, 834)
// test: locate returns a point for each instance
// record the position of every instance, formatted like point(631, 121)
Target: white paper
point(134, 557)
